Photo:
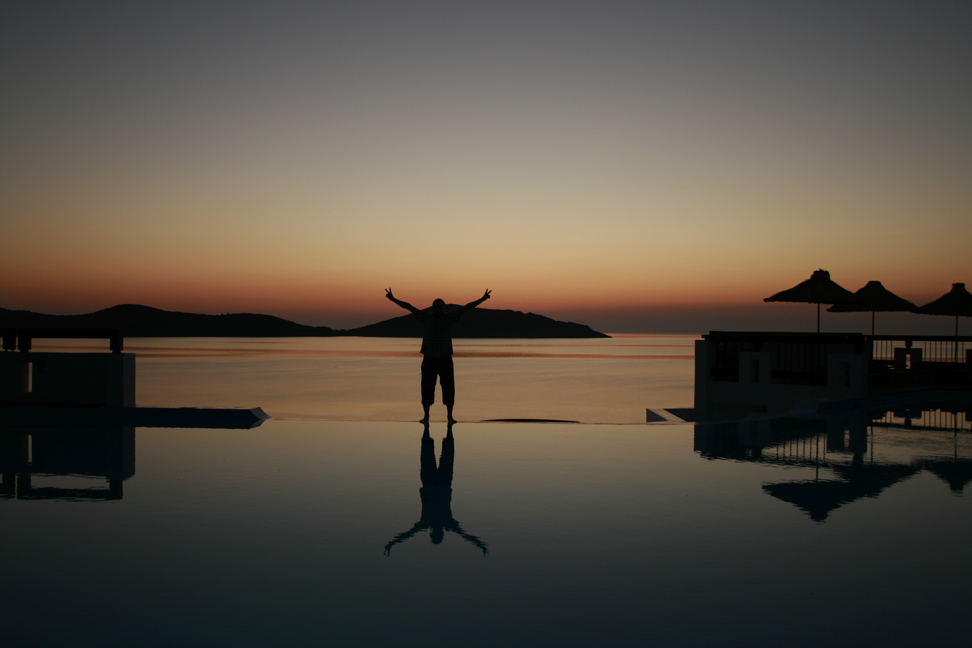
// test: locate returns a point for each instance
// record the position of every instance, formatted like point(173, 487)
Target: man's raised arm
point(473, 304)
point(405, 305)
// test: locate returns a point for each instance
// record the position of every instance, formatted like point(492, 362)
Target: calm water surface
point(595, 381)
point(357, 533)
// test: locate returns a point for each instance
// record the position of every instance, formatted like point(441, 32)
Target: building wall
point(755, 392)
point(73, 379)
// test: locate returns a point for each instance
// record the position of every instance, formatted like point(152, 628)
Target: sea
point(377, 379)
point(342, 521)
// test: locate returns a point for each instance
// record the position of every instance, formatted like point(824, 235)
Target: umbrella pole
point(872, 323)
point(818, 319)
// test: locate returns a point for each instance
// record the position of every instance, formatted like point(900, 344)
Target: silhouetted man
point(436, 494)
point(437, 349)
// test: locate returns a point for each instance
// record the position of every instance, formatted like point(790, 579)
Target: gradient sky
point(636, 166)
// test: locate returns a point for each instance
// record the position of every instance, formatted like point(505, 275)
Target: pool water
point(356, 533)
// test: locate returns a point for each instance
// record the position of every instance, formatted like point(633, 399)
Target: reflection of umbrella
point(818, 289)
point(819, 498)
point(875, 298)
point(955, 302)
point(957, 474)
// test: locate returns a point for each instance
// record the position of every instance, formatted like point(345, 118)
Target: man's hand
point(474, 304)
point(405, 305)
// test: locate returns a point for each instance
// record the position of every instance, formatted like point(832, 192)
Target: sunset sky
point(635, 166)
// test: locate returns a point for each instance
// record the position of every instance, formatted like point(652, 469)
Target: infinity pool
point(310, 533)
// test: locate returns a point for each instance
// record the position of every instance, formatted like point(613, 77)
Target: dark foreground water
point(328, 533)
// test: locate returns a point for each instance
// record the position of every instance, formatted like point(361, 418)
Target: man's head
point(438, 307)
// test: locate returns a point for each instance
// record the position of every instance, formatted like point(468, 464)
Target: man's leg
point(447, 459)
point(428, 385)
point(428, 471)
point(447, 378)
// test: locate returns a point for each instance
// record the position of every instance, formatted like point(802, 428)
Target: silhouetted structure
point(66, 379)
point(29, 452)
point(98, 389)
point(818, 289)
point(742, 373)
point(436, 495)
point(957, 302)
point(877, 299)
point(837, 447)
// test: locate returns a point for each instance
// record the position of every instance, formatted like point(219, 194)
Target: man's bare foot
point(424, 421)
point(452, 420)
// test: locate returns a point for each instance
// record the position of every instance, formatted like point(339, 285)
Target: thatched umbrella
point(818, 289)
point(957, 302)
point(875, 298)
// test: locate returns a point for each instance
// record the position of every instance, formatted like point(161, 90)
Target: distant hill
point(144, 321)
point(483, 323)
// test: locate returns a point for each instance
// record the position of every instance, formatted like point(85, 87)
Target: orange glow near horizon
point(531, 263)
point(584, 166)
point(358, 302)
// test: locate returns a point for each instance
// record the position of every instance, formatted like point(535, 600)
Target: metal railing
point(801, 358)
point(797, 358)
point(932, 348)
point(945, 419)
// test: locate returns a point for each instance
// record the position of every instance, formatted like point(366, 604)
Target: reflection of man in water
point(437, 349)
point(436, 494)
